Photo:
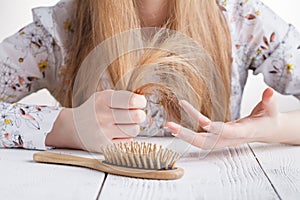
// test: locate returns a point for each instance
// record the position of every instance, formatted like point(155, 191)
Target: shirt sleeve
point(26, 126)
point(266, 44)
point(29, 60)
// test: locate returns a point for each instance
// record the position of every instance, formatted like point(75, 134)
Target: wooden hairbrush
point(138, 160)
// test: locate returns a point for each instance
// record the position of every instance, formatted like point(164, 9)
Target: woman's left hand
point(262, 125)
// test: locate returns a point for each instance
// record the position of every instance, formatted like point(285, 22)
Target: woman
point(237, 36)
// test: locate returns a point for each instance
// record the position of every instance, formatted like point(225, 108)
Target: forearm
point(289, 131)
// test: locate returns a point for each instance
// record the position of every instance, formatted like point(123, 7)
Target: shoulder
point(247, 13)
point(251, 22)
point(57, 19)
point(242, 5)
point(242, 10)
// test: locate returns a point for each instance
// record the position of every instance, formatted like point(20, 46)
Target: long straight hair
point(202, 20)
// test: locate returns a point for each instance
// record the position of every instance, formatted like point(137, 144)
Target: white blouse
point(34, 58)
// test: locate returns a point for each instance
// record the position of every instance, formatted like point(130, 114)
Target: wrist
point(269, 129)
point(63, 133)
point(276, 133)
point(281, 137)
point(286, 132)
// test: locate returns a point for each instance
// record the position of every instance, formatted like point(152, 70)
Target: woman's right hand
point(107, 116)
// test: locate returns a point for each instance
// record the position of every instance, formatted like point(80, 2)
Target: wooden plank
point(281, 163)
point(21, 178)
point(231, 173)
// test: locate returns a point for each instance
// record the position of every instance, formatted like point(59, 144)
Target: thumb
point(269, 102)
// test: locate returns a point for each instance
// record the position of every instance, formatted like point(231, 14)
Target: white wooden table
point(255, 171)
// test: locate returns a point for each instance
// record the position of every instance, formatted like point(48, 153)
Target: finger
point(128, 116)
point(266, 105)
point(258, 110)
point(242, 130)
point(267, 95)
point(228, 130)
point(124, 100)
point(216, 128)
point(202, 120)
point(124, 131)
point(269, 102)
point(185, 134)
point(203, 140)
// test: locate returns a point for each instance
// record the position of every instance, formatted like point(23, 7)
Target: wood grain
point(231, 173)
point(281, 164)
point(21, 178)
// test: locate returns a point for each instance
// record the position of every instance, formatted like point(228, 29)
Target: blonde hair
point(98, 20)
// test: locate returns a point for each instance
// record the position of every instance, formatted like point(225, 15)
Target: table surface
point(251, 171)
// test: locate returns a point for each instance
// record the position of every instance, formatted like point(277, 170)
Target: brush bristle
point(140, 155)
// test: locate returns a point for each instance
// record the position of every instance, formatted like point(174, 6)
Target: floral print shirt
point(34, 58)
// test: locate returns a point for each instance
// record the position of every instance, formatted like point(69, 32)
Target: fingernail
point(175, 135)
point(139, 101)
point(206, 128)
point(173, 127)
point(181, 102)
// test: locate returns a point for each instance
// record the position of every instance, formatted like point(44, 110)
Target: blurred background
point(15, 14)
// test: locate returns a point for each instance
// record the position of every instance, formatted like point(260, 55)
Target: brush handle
point(97, 164)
